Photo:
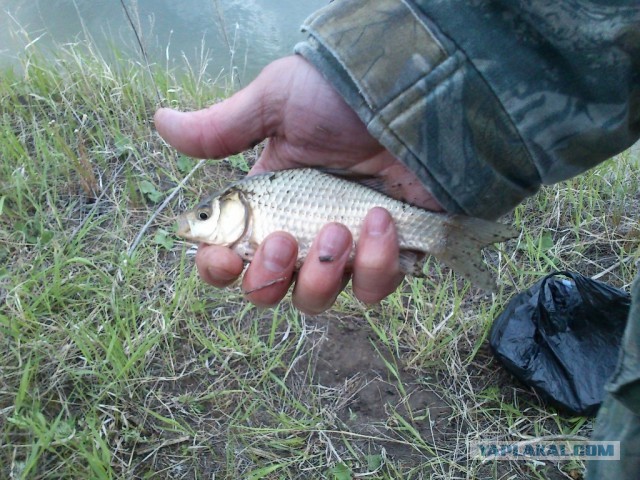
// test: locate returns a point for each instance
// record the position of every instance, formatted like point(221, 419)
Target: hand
point(308, 124)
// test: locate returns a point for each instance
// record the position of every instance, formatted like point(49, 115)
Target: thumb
point(226, 128)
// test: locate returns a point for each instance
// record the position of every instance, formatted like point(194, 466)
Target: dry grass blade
point(143, 50)
point(162, 206)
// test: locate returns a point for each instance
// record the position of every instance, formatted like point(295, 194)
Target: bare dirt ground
point(349, 353)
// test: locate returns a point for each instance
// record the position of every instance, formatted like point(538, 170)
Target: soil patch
point(383, 390)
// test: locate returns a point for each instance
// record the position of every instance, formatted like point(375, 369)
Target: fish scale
point(302, 201)
point(304, 210)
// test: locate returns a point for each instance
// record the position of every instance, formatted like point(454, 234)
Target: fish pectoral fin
point(245, 249)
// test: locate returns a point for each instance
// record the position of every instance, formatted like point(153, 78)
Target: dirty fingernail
point(277, 253)
point(333, 242)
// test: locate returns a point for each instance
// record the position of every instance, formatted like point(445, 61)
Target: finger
point(214, 132)
point(218, 266)
point(233, 125)
point(322, 275)
point(376, 269)
point(268, 277)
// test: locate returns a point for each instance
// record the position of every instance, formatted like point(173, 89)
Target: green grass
point(117, 362)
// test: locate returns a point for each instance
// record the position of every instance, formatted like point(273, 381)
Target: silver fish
point(301, 201)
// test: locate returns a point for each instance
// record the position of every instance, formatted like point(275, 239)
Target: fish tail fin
point(464, 238)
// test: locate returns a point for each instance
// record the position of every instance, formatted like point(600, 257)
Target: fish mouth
point(184, 229)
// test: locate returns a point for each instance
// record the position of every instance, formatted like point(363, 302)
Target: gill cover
point(229, 219)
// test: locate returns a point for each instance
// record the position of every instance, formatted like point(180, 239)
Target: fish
point(301, 201)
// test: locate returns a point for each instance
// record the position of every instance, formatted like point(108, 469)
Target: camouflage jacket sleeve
point(486, 100)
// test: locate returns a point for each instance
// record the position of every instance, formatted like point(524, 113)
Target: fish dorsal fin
point(370, 181)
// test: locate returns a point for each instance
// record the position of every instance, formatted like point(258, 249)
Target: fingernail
point(277, 253)
point(378, 222)
point(333, 242)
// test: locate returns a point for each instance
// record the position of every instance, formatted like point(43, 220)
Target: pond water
point(247, 34)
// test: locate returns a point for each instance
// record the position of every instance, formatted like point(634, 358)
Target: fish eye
point(203, 215)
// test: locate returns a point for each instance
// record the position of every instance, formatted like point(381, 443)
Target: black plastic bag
point(562, 337)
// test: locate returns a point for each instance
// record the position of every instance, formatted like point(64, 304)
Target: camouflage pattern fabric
point(619, 415)
point(488, 100)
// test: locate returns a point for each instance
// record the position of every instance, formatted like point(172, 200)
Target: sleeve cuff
point(421, 98)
